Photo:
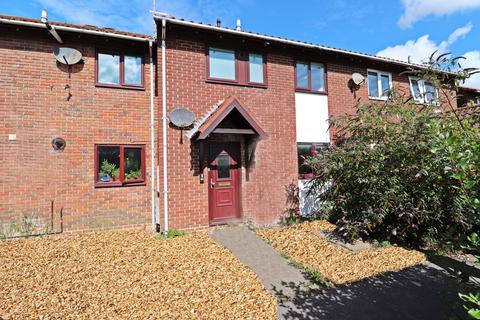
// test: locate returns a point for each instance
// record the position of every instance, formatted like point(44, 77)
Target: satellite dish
point(358, 79)
point(67, 56)
point(182, 117)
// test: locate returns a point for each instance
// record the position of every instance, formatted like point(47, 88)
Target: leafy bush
point(404, 172)
point(401, 173)
point(472, 300)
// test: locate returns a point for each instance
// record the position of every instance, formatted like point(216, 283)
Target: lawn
point(338, 265)
point(127, 275)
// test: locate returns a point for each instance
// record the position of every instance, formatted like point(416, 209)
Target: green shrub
point(400, 173)
point(403, 172)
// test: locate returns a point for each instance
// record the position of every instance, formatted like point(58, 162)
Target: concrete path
point(422, 292)
point(275, 272)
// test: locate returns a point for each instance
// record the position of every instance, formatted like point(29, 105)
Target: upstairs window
point(118, 70)
point(305, 150)
point(310, 77)
point(423, 91)
point(119, 165)
point(237, 67)
point(379, 84)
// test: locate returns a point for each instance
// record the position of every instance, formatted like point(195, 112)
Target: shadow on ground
point(420, 292)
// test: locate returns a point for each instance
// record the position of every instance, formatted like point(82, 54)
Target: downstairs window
point(119, 165)
point(305, 150)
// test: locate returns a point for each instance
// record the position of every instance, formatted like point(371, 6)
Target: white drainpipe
point(152, 137)
point(164, 125)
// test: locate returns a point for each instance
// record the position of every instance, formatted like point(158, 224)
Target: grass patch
point(172, 233)
point(314, 275)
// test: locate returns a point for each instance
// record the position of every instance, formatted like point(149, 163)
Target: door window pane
point(373, 84)
point(223, 166)
point(255, 68)
point(133, 163)
point(108, 164)
point(302, 75)
point(385, 81)
point(133, 70)
point(108, 68)
point(222, 64)
point(318, 77)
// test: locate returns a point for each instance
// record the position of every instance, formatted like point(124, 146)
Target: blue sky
point(394, 28)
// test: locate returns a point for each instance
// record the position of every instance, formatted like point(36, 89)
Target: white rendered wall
point(312, 126)
point(311, 116)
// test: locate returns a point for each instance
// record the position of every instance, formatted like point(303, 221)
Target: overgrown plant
point(109, 169)
point(291, 214)
point(472, 300)
point(401, 171)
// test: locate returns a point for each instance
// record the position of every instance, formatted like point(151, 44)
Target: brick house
point(260, 103)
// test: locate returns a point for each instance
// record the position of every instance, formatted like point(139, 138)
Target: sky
point(400, 29)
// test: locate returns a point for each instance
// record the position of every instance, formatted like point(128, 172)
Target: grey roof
point(202, 120)
point(174, 20)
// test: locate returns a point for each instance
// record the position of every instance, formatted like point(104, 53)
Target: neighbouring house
point(97, 141)
point(468, 96)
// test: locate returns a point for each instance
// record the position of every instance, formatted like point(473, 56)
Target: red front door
point(224, 182)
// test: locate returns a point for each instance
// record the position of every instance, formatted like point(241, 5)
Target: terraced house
point(196, 126)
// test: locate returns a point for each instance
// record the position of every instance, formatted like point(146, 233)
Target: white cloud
point(416, 10)
point(124, 15)
point(459, 33)
point(472, 61)
point(419, 50)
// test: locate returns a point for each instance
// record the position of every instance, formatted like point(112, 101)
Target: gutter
point(164, 16)
point(152, 138)
point(164, 129)
point(73, 29)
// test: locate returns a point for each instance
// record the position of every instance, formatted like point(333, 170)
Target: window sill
point(378, 99)
point(119, 184)
point(232, 83)
point(113, 86)
point(324, 93)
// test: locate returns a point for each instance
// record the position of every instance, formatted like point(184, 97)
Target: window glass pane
point(133, 163)
point(108, 164)
point(302, 75)
point(319, 147)
point(318, 77)
point(222, 64)
point(416, 90)
point(373, 84)
point(133, 70)
point(255, 68)
point(385, 81)
point(304, 151)
point(108, 68)
point(223, 166)
point(430, 92)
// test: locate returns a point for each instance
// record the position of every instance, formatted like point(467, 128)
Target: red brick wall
point(263, 196)
point(34, 106)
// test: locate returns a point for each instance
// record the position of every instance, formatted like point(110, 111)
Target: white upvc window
point(379, 84)
point(423, 91)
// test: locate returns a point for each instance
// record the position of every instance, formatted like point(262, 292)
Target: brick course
point(34, 106)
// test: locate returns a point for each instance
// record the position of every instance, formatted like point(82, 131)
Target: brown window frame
point(242, 70)
point(309, 89)
point(122, 83)
point(121, 179)
point(314, 151)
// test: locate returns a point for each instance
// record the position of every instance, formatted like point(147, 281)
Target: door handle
point(212, 184)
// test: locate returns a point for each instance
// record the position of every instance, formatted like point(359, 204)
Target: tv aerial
point(182, 118)
point(69, 57)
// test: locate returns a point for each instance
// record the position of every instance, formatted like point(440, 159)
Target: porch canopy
point(227, 117)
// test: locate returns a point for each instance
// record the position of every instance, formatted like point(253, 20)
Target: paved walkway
point(275, 272)
point(422, 292)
